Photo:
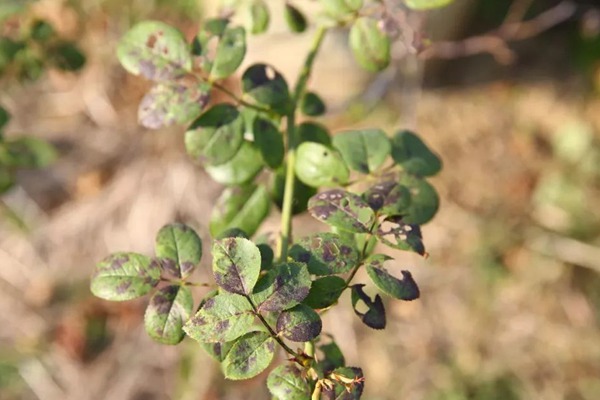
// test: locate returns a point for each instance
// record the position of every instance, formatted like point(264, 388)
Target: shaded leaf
point(221, 318)
point(427, 4)
point(312, 105)
point(403, 289)
point(236, 264)
point(394, 232)
point(41, 31)
point(349, 384)
point(332, 357)
point(267, 86)
point(216, 136)
point(169, 103)
point(325, 254)
point(299, 324)
point(424, 200)
point(4, 117)
point(154, 50)
point(409, 151)
point(66, 56)
point(363, 150)
point(266, 256)
point(231, 233)
point(310, 131)
point(317, 165)
point(124, 276)
point(302, 192)
point(295, 19)
point(29, 152)
point(269, 141)
point(230, 53)
point(369, 44)
point(344, 210)
point(169, 308)
point(285, 286)
point(249, 356)
point(244, 166)
point(243, 207)
point(324, 292)
point(287, 383)
point(179, 249)
point(258, 17)
point(388, 198)
point(375, 315)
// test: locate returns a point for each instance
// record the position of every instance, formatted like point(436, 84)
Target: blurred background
point(510, 295)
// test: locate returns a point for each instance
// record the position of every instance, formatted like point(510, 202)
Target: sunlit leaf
point(318, 165)
point(370, 45)
point(217, 350)
point(363, 150)
point(258, 17)
point(244, 166)
point(243, 207)
point(375, 315)
point(125, 276)
point(344, 210)
point(325, 253)
point(409, 151)
point(249, 356)
point(287, 383)
point(179, 249)
point(299, 324)
point(284, 286)
point(236, 264)
point(169, 308)
point(230, 53)
point(341, 8)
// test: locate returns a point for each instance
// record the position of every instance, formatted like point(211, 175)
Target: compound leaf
point(396, 233)
point(375, 315)
point(344, 210)
point(230, 53)
point(236, 264)
point(179, 249)
point(369, 44)
point(363, 150)
point(287, 383)
point(125, 276)
point(325, 254)
point(299, 324)
point(244, 166)
point(169, 308)
point(285, 286)
point(318, 165)
point(409, 151)
point(242, 207)
point(249, 356)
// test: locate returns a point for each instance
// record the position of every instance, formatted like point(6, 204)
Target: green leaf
point(375, 315)
point(332, 357)
point(236, 264)
point(30, 152)
point(266, 256)
point(169, 103)
point(9, 50)
point(124, 276)
point(222, 318)
point(409, 151)
point(216, 136)
point(217, 350)
point(230, 53)
point(7, 180)
point(66, 56)
point(244, 207)
point(249, 356)
point(267, 86)
point(244, 166)
point(341, 8)
point(287, 383)
point(344, 210)
point(269, 141)
point(325, 292)
point(11, 7)
point(170, 307)
point(283, 287)
point(396, 233)
point(317, 165)
point(313, 132)
point(424, 200)
point(179, 249)
point(295, 19)
point(388, 198)
point(299, 324)
point(427, 4)
point(325, 254)
point(369, 44)
point(312, 105)
point(363, 150)
point(349, 384)
point(41, 31)
point(154, 50)
point(4, 117)
point(258, 17)
point(403, 289)
point(232, 232)
point(302, 192)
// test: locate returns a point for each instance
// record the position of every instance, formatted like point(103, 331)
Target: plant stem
point(237, 99)
point(290, 176)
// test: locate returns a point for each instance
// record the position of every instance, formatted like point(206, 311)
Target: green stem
point(238, 99)
point(288, 194)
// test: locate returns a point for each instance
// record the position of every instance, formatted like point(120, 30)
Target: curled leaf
point(375, 315)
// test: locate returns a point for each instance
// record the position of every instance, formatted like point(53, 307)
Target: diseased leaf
point(216, 136)
point(344, 210)
point(236, 264)
point(325, 292)
point(332, 357)
point(258, 17)
point(287, 383)
point(370, 45)
point(169, 308)
point(375, 315)
point(349, 384)
point(295, 19)
point(217, 350)
point(299, 324)
point(179, 249)
point(317, 166)
point(244, 166)
point(427, 4)
point(409, 151)
point(302, 192)
point(243, 207)
point(222, 318)
point(312, 105)
point(310, 131)
point(388, 198)
point(154, 50)
point(124, 276)
point(403, 289)
point(363, 150)
point(230, 53)
point(394, 232)
point(424, 200)
point(169, 103)
point(269, 141)
point(249, 356)
point(267, 86)
point(283, 287)
point(325, 254)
